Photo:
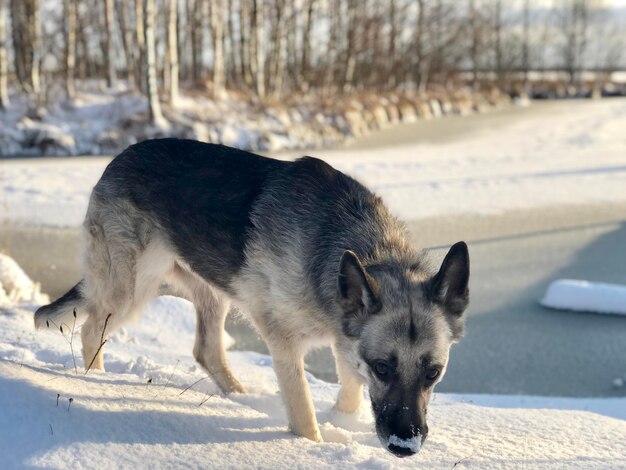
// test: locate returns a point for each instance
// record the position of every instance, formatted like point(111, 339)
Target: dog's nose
point(399, 451)
point(404, 447)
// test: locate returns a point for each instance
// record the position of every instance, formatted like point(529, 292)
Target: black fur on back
point(201, 194)
point(210, 199)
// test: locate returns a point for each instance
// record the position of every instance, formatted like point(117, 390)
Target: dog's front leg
point(289, 368)
point(351, 392)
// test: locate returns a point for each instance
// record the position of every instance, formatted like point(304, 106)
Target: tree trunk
point(474, 43)
point(235, 50)
point(172, 51)
point(423, 61)
point(351, 50)
point(258, 33)
point(127, 42)
point(26, 35)
point(292, 59)
point(497, 29)
point(217, 30)
point(140, 50)
point(306, 46)
point(109, 53)
point(35, 71)
point(332, 49)
point(70, 48)
point(277, 64)
point(526, 45)
point(156, 116)
point(195, 15)
point(245, 42)
point(18, 15)
point(391, 45)
point(4, 66)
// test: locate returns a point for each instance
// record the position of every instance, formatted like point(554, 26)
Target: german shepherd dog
point(307, 252)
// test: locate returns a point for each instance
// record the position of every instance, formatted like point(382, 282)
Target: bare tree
point(4, 61)
point(217, 31)
point(573, 22)
point(128, 40)
point(35, 70)
point(526, 43)
point(109, 54)
point(258, 47)
point(423, 60)
point(70, 47)
point(474, 41)
point(140, 50)
point(278, 41)
point(156, 116)
point(497, 47)
point(332, 46)
point(306, 44)
point(172, 51)
point(350, 64)
point(195, 14)
point(235, 62)
point(392, 44)
point(26, 29)
point(245, 40)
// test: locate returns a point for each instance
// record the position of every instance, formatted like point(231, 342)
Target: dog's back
point(199, 194)
point(217, 209)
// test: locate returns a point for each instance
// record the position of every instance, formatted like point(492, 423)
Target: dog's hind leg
point(107, 289)
point(211, 311)
point(125, 261)
point(93, 334)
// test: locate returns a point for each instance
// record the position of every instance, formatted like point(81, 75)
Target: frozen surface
point(545, 160)
point(154, 408)
point(585, 296)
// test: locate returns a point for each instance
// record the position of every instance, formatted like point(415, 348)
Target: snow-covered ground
point(558, 158)
point(141, 413)
point(154, 408)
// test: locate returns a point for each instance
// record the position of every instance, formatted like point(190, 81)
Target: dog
point(311, 256)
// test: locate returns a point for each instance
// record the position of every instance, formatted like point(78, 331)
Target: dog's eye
point(432, 374)
point(382, 369)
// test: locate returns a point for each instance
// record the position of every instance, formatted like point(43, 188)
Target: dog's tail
point(64, 313)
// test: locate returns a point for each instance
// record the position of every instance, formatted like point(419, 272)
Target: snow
point(577, 158)
point(585, 296)
point(155, 408)
point(83, 125)
point(16, 286)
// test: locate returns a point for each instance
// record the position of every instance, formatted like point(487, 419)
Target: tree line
point(271, 48)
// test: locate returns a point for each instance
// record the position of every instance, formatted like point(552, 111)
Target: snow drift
point(585, 296)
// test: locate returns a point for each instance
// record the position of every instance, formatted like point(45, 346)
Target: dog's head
point(403, 323)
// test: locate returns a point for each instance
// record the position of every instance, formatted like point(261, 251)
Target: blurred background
point(501, 123)
point(86, 76)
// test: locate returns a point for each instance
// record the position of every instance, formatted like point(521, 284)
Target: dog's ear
point(358, 294)
point(449, 287)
